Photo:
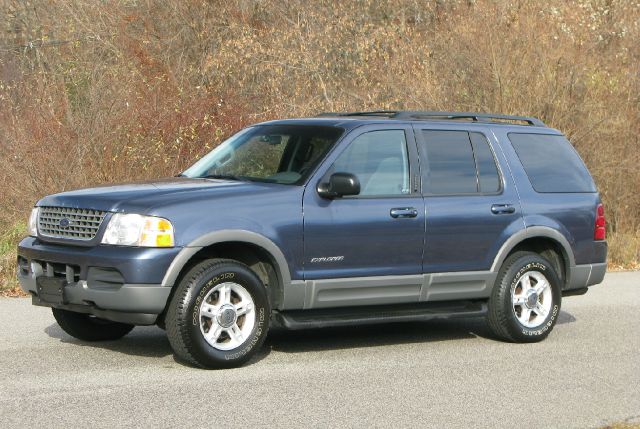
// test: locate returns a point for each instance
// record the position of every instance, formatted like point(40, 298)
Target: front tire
point(219, 315)
point(89, 328)
point(525, 302)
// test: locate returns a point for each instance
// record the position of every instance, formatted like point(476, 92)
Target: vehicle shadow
point(151, 341)
point(565, 317)
point(375, 335)
point(143, 341)
point(385, 334)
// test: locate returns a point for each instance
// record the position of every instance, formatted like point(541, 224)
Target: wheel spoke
point(541, 286)
point(525, 315)
point(235, 333)
point(519, 300)
point(526, 283)
point(224, 296)
point(214, 333)
point(243, 308)
point(208, 310)
point(541, 311)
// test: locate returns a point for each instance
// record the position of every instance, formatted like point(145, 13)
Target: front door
point(366, 249)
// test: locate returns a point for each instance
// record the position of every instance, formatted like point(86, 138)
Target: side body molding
point(530, 232)
point(228, 235)
point(428, 287)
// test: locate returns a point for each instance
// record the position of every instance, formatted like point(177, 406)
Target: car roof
point(349, 123)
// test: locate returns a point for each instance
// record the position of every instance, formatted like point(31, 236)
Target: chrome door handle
point(503, 209)
point(403, 212)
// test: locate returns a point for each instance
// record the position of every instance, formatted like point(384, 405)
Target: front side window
point(459, 162)
point(380, 162)
point(268, 153)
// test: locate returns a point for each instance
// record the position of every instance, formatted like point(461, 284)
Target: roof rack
point(385, 113)
point(417, 115)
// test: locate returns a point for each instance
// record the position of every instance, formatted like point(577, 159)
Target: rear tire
point(89, 328)
point(525, 302)
point(219, 315)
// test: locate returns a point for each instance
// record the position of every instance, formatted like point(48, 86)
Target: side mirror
point(339, 185)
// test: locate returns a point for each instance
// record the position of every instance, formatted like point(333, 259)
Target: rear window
point(551, 163)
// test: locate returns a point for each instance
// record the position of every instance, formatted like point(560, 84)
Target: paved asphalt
point(434, 374)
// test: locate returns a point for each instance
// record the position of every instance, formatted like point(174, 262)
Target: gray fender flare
point(228, 235)
point(532, 232)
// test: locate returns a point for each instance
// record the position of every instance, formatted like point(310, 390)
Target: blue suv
point(343, 219)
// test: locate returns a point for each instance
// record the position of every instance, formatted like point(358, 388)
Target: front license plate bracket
point(51, 289)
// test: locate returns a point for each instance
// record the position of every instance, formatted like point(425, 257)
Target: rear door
point(471, 203)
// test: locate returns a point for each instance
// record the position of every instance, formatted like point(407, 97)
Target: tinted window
point(551, 163)
point(379, 160)
point(450, 166)
point(488, 177)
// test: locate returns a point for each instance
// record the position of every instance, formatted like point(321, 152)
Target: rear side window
point(488, 178)
point(459, 162)
point(551, 163)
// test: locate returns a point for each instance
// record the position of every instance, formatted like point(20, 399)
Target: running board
point(355, 316)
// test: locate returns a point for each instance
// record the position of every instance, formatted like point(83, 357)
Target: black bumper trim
point(114, 316)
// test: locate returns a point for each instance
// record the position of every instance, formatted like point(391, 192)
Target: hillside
point(94, 92)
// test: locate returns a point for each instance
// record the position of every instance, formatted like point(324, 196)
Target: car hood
point(143, 197)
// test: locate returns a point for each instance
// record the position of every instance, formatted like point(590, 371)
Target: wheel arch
point(253, 249)
point(545, 241)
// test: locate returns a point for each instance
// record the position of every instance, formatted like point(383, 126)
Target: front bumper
point(115, 283)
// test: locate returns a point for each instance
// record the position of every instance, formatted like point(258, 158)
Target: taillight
point(600, 232)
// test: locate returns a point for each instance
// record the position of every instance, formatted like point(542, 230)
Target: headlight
point(138, 230)
point(33, 222)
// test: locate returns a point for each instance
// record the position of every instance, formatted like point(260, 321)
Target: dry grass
point(624, 251)
point(8, 240)
point(622, 425)
point(94, 92)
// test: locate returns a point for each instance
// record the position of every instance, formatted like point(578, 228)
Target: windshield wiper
point(225, 177)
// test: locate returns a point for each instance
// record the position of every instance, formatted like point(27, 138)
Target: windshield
point(268, 153)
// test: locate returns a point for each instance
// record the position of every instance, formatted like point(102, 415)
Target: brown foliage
point(94, 92)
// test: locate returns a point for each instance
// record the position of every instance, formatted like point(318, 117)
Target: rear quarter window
point(551, 163)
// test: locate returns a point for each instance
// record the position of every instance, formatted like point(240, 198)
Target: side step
point(368, 315)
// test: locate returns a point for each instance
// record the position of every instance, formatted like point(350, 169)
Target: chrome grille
point(69, 223)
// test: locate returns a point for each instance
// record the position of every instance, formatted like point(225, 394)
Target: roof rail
point(386, 113)
point(427, 115)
